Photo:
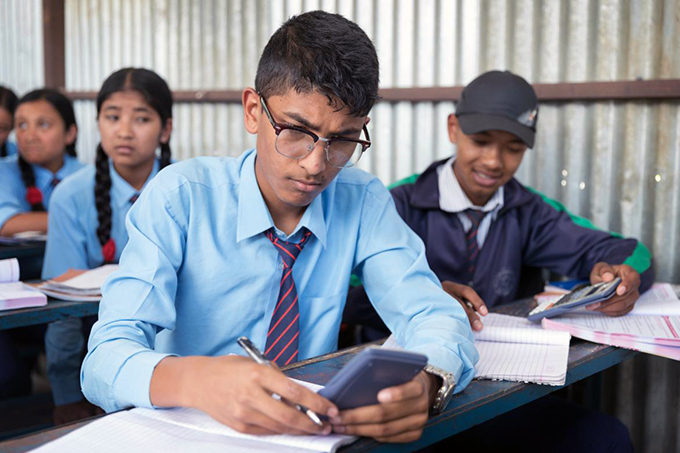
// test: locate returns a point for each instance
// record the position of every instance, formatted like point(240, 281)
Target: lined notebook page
point(179, 430)
point(514, 349)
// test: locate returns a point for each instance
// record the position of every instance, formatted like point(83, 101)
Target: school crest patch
point(504, 282)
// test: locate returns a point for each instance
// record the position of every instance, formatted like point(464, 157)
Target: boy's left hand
point(627, 293)
point(400, 416)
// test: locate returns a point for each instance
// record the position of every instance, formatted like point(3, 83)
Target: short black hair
point(324, 52)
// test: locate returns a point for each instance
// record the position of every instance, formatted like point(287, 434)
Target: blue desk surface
point(480, 401)
point(53, 311)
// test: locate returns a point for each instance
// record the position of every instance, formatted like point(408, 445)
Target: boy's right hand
point(464, 293)
point(237, 392)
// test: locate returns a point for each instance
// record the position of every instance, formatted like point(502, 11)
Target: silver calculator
point(584, 296)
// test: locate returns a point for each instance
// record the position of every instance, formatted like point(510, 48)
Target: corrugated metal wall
point(21, 45)
point(615, 162)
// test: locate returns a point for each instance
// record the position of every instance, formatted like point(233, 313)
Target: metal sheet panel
point(21, 45)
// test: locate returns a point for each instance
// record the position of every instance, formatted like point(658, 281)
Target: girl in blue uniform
point(8, 104)
point(46, 132)
point(87, 223)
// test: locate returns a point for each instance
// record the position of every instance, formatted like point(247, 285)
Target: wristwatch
point(445, 392)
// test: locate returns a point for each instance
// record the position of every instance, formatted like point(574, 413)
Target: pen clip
point(252, 350)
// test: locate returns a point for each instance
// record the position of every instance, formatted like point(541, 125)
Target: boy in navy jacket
point(481, 226)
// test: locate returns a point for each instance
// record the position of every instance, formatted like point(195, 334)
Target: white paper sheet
point(181, 430)
point(9, 270)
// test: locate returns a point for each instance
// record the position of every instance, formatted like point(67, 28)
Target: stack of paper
point(652, 327)
point(78, 285)
point(514, 349)
point(13, 293)
point(182, 430)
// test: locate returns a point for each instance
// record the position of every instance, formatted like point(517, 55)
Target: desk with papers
point(30, 256)
point(482, 400)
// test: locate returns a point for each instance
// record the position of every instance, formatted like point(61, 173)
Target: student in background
point(480, 226)
point(87, 220)
point(211, 257)
point(46, 131)
point(8, 104)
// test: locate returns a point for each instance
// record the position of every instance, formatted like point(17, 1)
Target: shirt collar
point(121, 190)
point(44, 177)
point(253, 214)
point(453, 199)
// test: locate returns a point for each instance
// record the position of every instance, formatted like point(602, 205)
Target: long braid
point(33, 194)
point(165, 155)
point(102, 200)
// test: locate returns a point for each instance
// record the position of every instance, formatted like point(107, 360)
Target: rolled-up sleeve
point(138, 302)
point(405, 292)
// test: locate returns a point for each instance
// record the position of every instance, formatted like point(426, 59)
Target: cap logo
point(528, 118)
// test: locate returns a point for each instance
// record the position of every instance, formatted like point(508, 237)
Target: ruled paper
point(181, 430)
point(514, 349)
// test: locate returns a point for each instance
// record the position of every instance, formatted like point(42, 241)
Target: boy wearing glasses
point(263, 246)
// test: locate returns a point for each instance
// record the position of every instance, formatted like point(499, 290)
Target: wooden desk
point(479, 402)
point(55, 310)
point(30, 256)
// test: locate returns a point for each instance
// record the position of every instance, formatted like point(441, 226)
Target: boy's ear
point(453, 127)
point(251, 109)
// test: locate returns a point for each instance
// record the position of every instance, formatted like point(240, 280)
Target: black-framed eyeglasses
point(295, 143)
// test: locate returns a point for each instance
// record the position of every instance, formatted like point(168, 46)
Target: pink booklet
point(13, 293)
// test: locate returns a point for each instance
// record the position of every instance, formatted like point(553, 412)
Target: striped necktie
point(475, 217)
point(284, 329)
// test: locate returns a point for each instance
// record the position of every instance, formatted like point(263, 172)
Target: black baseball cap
point(499, 100)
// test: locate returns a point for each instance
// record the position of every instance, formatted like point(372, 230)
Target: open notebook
point(13, 293)
point(514, 349)
point(181, 430)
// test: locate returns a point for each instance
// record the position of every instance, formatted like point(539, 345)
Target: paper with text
point(180, 430)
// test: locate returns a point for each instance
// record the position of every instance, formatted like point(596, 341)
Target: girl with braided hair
point(8, 104)
point(46, 132)
point(87, 223)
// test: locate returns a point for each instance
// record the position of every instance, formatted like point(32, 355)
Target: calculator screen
point(580, 294)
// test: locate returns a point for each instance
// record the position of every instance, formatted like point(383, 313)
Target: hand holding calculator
point(584, 296)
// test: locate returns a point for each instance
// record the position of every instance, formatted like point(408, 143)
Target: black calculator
point(584, 296)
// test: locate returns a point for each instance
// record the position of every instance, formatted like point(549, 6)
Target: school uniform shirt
point(452, 198)
point(529, 229)
point(13, 193)
point(72, 243)
point(10, 148)
point(198, 272)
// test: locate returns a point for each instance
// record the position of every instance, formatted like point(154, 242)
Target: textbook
point(78, 285)
point(513, 348)
point(181, 430)
point(13, 293)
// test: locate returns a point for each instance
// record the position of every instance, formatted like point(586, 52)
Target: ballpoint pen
point(257, 356)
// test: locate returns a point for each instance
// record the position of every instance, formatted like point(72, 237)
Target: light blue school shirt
point(198, 272)
point(72, 243)
point(11, 149)
point(13, 193)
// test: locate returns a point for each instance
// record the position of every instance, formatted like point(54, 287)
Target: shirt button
point(281, 265)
